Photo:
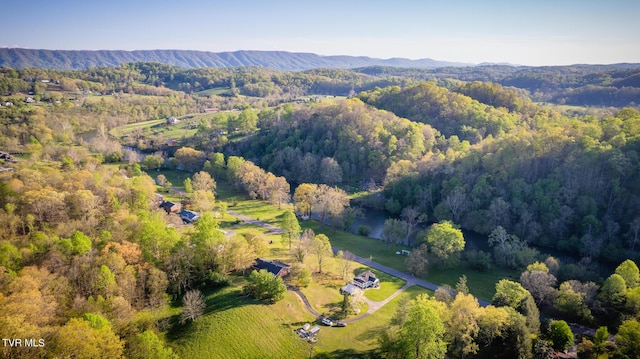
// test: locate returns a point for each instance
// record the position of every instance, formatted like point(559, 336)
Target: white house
point(366, 280)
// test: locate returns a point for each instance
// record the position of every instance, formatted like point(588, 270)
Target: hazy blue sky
point(542, 32)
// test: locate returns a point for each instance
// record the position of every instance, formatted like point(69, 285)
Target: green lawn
point(388, 285)
point(237, 327)
point(362, 246)
point(214, 91)
point(362, 335)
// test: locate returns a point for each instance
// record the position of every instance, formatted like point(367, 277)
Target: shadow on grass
point(232, 298)
point(347, 354)
point(371, 333)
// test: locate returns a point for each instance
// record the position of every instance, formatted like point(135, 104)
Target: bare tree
point(540, 284)
point(194, 305)
point(413, 218)
point(345, 263)
point(303, 246)
point(635, 230)
point(456, 201)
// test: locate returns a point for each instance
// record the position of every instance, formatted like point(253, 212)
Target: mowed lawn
point(362, 335)
point(238, 327)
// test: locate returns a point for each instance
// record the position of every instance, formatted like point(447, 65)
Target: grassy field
point(238, 327)
point(187, 127)
point(361, 335)
point(388, 285)
point(214, 91)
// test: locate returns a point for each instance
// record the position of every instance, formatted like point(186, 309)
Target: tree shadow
point(347, 354)
point(214, 304)
point(371, 333)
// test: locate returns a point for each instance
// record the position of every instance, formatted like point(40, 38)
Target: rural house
point(366, 280)
point(189, 216)
point(171, 207)
point(274, 267)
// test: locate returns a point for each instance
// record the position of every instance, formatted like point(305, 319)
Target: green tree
point(188, 187)
point(152, 162)
point(445, 240)
point(560, 335)
point(78, 244)
point(628, 338)
point(572, 303)
point(218, 164)
point(263, 285)
point(614, 291)
point(105, 282)
point(600, 340)
point(422, 335)
point(247, 121)
point(629, 271)
point(290, 227)
point(147, 345)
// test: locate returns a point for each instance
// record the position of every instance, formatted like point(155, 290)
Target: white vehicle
point(327, 321)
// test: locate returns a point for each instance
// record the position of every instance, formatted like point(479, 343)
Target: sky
point(523, 32)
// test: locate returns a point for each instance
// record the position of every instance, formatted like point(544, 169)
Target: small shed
point(313, 331)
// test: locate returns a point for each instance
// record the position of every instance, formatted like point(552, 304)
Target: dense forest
point(85, 248)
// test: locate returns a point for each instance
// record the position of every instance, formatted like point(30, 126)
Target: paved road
point(411, 280)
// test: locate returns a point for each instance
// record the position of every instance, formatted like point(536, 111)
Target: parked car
point(341, 324)
point(327, 321)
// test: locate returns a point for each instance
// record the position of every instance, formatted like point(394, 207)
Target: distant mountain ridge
point(283, 60)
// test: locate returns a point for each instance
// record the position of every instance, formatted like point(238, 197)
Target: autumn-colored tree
point(78, 339)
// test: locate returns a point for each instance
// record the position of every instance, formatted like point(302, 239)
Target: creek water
point(375, 218)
